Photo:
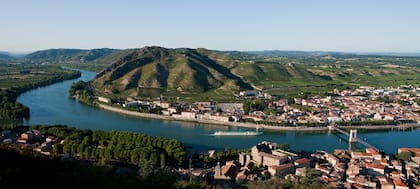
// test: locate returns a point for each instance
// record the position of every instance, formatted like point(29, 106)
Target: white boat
point(237, 133)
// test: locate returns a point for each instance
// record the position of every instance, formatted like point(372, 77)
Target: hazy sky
point(338, 25)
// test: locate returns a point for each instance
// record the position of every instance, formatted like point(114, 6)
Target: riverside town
point(365, 106)
point(210, 94)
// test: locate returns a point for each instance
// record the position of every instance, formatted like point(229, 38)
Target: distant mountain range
point(327, 53)
point(67, 55)
point(107, 56)
point(6, 56)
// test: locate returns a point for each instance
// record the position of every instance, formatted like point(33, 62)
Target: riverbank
point(384, 127)
point(211, 122)
point(21, 79)
point(242, 124)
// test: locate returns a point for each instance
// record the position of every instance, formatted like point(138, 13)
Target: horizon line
point(256, 50)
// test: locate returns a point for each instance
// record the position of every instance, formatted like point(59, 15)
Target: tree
point(57, 149)
point(405, 156)
point(145, 167)
point(283, 146)
point(162, 160)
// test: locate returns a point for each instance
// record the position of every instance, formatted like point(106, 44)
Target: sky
point(309, 25)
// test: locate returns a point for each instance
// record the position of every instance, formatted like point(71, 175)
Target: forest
point(134, 148)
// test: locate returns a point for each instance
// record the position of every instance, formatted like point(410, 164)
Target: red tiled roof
point(226, 168)
point(372, 151)
point(375, 166)
point(302, 160)
point(399, 182)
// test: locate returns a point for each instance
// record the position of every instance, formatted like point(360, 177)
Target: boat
point(237, 133)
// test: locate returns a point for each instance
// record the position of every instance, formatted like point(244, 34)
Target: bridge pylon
point(353, 135)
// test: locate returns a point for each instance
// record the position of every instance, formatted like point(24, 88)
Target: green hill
point(67, 55)
point(152, 71)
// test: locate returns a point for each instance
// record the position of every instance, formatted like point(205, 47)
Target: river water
point(52, 105)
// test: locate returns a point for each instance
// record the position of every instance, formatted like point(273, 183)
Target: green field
point(16, 79)
point(21, 75)
point(316, 76)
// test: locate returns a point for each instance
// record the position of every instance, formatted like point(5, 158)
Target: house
point(281, 170)
point(375, 153)
point(361, 155)
point(300, 171)
point(399, 184)
point(385, 182)
point(165, 112)
point(172, 110)
point(218, 173)
point(131, 104)
point(26, 137)
point(353, 170)
point(332, 159)
point(230, 170)
point(203, 106)
point(364, 181)
point(219, 118)
point(333, 119)
point(188, 115)
point(104, 99)
point(249, 93)
point(165, 105)
point(51, 139)
point(302, 162)
point(242, 175)
point(230, 107)
point(374, 169)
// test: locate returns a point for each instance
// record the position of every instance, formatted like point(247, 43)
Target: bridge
point(353, 137)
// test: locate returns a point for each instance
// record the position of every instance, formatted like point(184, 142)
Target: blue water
point(52, 105)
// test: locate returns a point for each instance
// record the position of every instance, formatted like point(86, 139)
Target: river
point(52, 105)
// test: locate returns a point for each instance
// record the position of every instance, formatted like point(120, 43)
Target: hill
point(67, 55)
point(152, 71)
point(5, 56)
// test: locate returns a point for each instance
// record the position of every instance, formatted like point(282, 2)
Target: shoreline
point(245, 125)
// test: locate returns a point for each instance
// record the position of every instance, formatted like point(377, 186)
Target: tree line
point(134, 148)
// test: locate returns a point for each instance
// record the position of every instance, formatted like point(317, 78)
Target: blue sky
point(330, 25)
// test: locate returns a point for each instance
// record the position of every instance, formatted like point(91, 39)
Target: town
point(340, 169)
point(369, 168)
point(362, 106)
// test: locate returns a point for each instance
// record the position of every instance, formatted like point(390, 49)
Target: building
point(281, 170)
point(302, 162)
point(249, 93)
point(262, 154)
point(165, 105)
point(271, 159)
point(242, 158)
point(103, 99)
point(188, 115)
point(26, 137)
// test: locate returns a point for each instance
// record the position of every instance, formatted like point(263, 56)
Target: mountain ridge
point(167, 70)
point(63, 55)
